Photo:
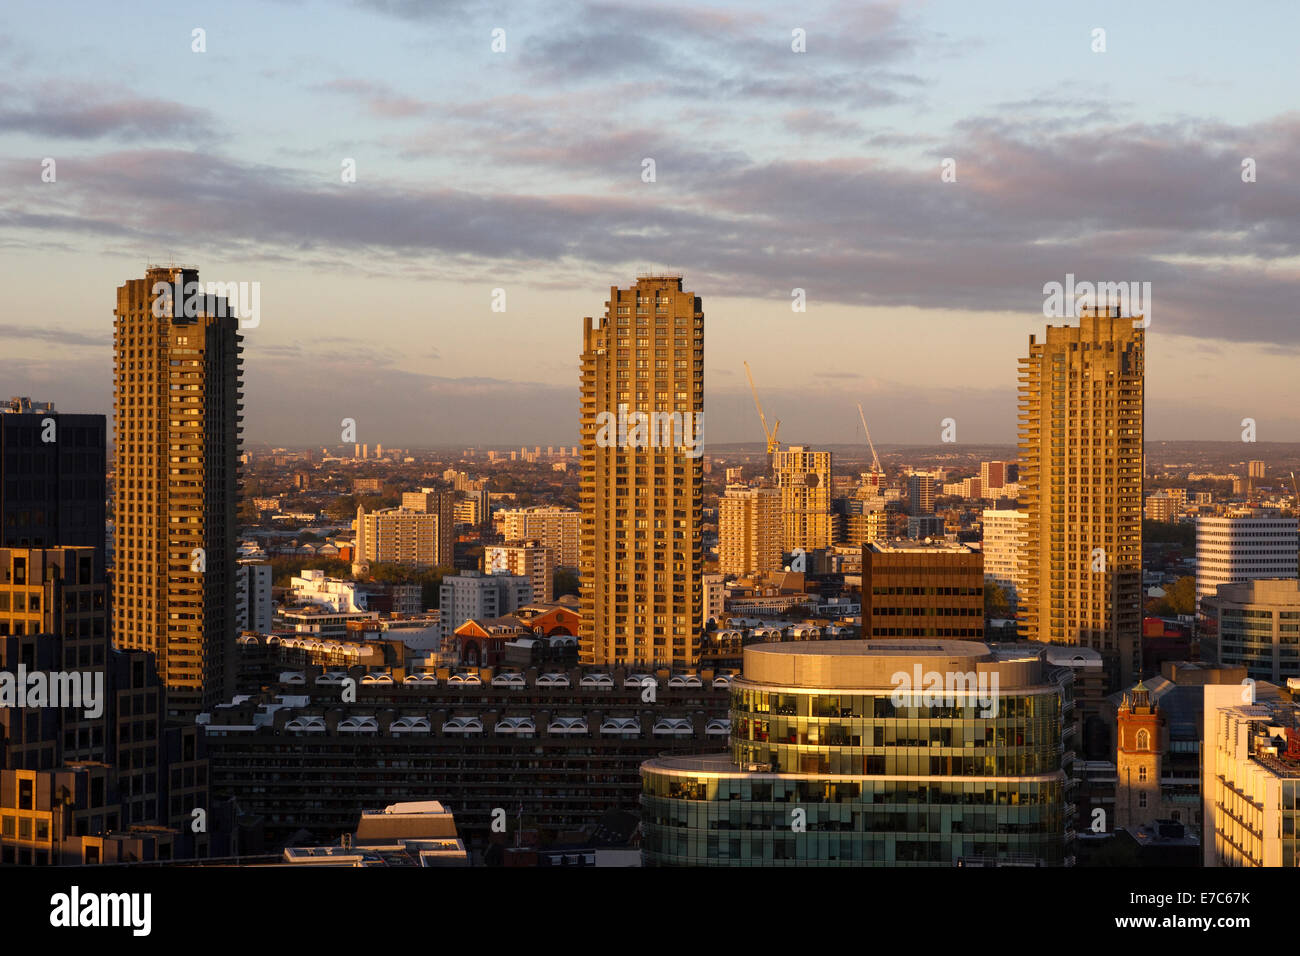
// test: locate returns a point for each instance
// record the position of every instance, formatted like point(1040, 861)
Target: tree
point(1183, 597)
point(996, 602)
point(429, 579)
point(566, 582)
point(1179, 599)
point(1169, 532)
point(342, 507)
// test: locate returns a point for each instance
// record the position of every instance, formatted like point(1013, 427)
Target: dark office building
point(52, 468)
point(922, 589)
point(127, 771)
point(53, 618)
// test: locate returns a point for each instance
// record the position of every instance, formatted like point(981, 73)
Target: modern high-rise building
point(51, 477)
point(253, 597)
point(916, 589)
point(440, 503)
point(1250, 776)
point(1162, 507)
point(874, 519)
point(461, 481)
point(176, 415)
point(749, 530)
point(1003, 539)
point(530, 559)
point(924, 527)
point(715, 598)
point(1242, 547)
point(642, 488)
point(920, 493)
point(804, 477)
point(556, 528)
point(472, 508)
point(399, 536)
point(1081, 408)
point(871, 753)
point(993, 475)
point(1256, 625)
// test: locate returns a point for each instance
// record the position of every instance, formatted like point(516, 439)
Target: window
point(1142, 774)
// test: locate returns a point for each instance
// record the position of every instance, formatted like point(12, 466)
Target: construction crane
point(772, 443)
point(876, 470)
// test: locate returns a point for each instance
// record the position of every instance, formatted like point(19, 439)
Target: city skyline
point(806, 175)
point(359, 507)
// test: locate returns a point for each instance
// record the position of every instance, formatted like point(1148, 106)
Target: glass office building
point(871, 753)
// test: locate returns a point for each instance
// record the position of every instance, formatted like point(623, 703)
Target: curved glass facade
point(750, 820)
point(866, 733)
point(829, 777)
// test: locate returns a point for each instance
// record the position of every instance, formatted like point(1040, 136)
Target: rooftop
point(905, 545)
point(874, 664)
point(1072, 656)
point(903, 647)
point(720, 763)
point(21, 404)
point(415, 806)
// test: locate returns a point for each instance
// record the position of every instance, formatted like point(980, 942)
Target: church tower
point(1137, 760)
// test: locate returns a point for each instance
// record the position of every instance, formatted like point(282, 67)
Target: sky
point(522, 168)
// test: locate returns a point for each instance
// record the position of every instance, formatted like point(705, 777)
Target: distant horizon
point(736, 404)
point(759, 445)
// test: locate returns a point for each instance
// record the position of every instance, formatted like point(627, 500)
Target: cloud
point(421, 10)
point(58, 336)
point(715, 54)
point(379, 99)
point(68, 111)
point(820, 122)
point(1161, 203)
